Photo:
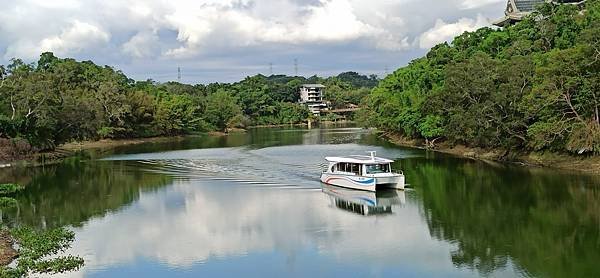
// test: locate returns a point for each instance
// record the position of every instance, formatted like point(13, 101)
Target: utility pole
point(178, 74)
point(296, 66)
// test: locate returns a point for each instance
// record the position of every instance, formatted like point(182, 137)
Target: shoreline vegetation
point(587, 165)
point(527, 89)
point(72, 148)
point(565, 161)
point(531, 90)
point(24, 251)
point(54, 101)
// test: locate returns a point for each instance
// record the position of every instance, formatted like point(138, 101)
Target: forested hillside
point(56, 100)
point(531, 86)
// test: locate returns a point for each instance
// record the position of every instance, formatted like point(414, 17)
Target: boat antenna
point(372, 154)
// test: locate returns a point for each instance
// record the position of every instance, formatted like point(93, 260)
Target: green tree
point(222, 110)
point(177, 114)
point(565, 101)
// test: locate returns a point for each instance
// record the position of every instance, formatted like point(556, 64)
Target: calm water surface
point(252, 205)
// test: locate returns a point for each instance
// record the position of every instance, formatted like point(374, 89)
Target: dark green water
point(251, 205)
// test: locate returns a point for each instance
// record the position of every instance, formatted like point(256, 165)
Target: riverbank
point(314, 123)
point(590, 165)
point(111, 143)
point(70, 149)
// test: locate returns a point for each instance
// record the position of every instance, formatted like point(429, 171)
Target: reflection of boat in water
point(362, 172)
point(364, 202)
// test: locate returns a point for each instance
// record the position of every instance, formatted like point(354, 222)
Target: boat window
point(355, 169)
point(378, 168)
point(348, 168)
point(342, 167)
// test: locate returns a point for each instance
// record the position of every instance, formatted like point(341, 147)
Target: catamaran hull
point(363, 183)
point(395, 182)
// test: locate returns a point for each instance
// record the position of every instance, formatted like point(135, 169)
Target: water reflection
point(193, 225)
point(544, 222)
point(252, 203)
point(73, 192)
point(363, 202)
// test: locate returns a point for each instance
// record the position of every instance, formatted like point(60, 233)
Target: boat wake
point(296, 166)
point(246, 169)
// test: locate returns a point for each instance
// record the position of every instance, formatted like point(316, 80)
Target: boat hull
point(395, 182)
point(363, 183)
point(354, 182)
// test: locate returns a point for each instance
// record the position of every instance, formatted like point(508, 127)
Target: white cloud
point(473, 4)
point(332, 21)
point(74, 39)
point(142, 44)
point(247, 34)
point(443, 31)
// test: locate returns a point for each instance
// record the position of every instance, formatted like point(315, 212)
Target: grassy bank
point(588, 164)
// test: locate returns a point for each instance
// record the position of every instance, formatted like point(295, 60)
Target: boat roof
point(360, 159)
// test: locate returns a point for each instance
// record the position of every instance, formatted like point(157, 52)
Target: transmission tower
point(296, 66)
point(178, 74)
point(271, 68)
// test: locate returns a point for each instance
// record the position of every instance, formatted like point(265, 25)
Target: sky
point(227, 40)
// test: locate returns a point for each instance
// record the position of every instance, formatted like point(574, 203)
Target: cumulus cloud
point(139, 34)
point(141, 45)
point(443, 31)
point(472, 4)
point(75, 38)
point(329, 21)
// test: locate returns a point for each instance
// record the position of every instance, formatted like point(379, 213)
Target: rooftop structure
point(360, 159)
point(312, 96)
point(516, 10)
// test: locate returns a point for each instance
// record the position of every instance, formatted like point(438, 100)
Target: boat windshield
point(378, 168)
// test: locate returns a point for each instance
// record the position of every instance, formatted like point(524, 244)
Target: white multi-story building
point(312, 96)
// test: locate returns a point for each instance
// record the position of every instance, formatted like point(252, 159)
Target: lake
point(251, 205)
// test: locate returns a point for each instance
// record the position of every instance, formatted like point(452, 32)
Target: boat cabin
point(362, 172)
point(361, 169)
point(359, 165)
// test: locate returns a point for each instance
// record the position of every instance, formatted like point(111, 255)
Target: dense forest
point(533, 86)
point(56, 100)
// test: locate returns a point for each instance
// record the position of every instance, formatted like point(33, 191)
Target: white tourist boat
point(362, 172)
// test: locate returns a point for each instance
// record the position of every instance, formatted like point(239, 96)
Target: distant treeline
point(56, 100)
point(531, 86)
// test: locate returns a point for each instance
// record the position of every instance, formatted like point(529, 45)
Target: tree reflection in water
point(545, 222)
point(73, 192)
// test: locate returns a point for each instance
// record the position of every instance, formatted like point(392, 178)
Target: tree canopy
point(58, 100)
point(531, 86)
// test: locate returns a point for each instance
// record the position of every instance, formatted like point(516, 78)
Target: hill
point(533, 86)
